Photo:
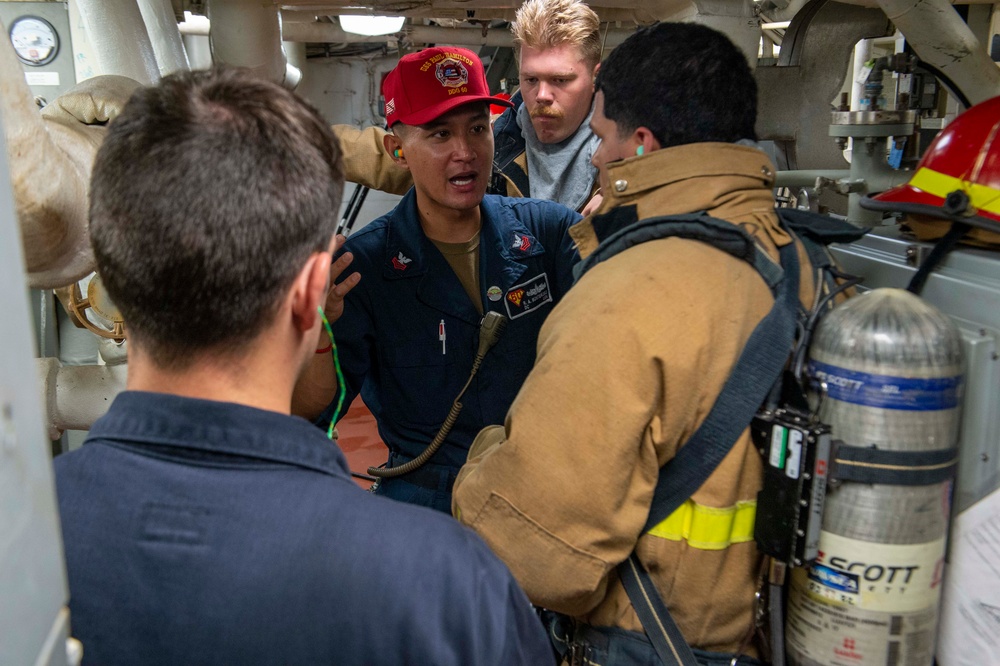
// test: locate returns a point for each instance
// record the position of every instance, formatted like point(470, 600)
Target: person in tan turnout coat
point(631, 362)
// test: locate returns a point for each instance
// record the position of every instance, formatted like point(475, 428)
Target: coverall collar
point(193, 425)
point(504, 243)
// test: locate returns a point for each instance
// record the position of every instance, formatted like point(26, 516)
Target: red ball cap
point(429, 83)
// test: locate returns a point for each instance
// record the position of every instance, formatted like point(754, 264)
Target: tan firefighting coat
point(629, 364)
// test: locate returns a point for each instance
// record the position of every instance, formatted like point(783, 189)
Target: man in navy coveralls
point(202, 523)
point(433, 266)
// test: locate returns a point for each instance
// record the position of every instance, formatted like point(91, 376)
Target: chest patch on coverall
point(528, 296)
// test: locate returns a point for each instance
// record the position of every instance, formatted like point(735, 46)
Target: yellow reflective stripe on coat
point(941, 185)
point(709, 528)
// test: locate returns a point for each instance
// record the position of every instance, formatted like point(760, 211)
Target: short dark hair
point(686, 82)
point(208, 194)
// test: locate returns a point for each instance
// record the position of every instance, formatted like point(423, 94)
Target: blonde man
point(543, 144)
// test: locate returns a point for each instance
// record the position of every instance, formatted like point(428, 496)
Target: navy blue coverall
point(389, 335)
point(202, 532)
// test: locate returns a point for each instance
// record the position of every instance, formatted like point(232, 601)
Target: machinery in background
point(810, 70)
point(34, 621)
point(40, 33)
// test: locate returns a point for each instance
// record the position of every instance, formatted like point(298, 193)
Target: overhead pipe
point(120, 39)
point(787, 12)
point(767, 44)
point(940, 38)
point(194, 32)
point(296, 54)
point(808, 177)
point(161, 25)
point(247, 33)
point(195, 25)
point(417, 34)
point(199, 52)
point(609, 11)
point(737, 19)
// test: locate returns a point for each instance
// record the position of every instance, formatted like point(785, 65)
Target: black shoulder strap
point(756, 371)
point(816, 231)
point(819, 228)
point(758, 368)
point(628, 232)
point(663, 632)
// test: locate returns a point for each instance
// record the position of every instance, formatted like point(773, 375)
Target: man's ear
point(643, 136)
point(309, 290)
point(395, 149)
point(597, 68)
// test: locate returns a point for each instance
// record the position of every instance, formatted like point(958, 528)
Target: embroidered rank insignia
point(400, 262)
point(521, 242)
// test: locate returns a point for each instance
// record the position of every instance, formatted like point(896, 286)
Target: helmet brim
point(911, 201)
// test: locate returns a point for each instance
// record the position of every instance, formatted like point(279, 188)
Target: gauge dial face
point(35, 41)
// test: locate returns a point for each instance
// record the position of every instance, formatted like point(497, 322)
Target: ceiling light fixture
point(372, 25)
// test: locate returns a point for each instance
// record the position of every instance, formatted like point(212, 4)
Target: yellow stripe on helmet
point(981, 197)
point(708, 528)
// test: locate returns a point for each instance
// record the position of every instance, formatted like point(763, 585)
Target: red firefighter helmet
point(957, 179)
point(497, 109)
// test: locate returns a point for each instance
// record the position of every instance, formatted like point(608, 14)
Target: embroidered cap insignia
point(451, 73)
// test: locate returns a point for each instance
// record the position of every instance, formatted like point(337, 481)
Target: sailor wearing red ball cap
point(431, 269)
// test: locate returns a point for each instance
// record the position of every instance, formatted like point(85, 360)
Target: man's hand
point(317, 385)
point(593, 204)
point(335, 299)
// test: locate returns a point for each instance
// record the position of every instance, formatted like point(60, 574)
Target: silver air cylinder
point(891, 366)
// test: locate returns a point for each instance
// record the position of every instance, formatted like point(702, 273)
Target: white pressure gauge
point(35, 41)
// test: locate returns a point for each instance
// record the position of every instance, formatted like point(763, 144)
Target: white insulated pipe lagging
point(74, 396)
point(120, 39)
point(165, 37)
point(248, 34)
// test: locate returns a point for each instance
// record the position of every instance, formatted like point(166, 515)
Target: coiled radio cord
point(489, 333)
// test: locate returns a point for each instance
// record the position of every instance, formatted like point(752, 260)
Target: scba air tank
point(892, 367)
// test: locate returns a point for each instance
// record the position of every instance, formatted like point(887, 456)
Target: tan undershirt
point(464, 260)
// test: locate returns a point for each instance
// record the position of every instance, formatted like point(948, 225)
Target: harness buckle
point(577, 653)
